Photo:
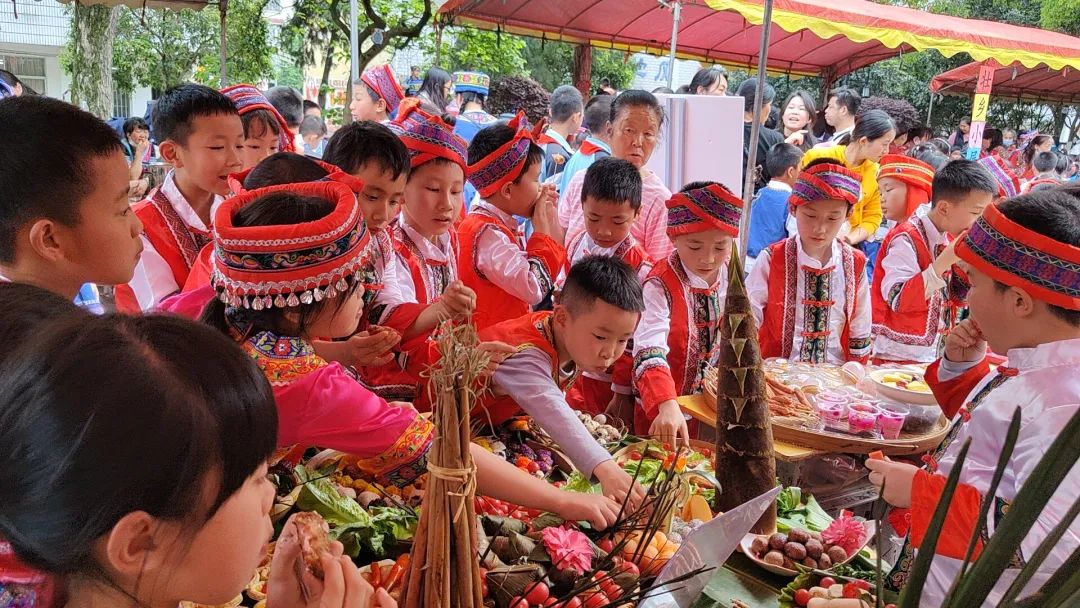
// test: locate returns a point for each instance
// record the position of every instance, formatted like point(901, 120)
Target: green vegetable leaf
point(319, 495)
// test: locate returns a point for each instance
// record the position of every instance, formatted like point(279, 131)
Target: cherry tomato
point(537, 593)
point(533, 467)
point(559, 484)
point(667, 447)
point(851, 591)
point(606, 545)
point(611, 589)
point(575, 602)
point(635, 455)
point(802, 597)
point(550, 602)
point(827, 581)
point(706, 452)
point(596, 600)
point(519, 602)
point(861, 584)
point(628, 567)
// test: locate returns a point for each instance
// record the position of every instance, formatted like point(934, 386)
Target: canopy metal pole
point(930, 111)
point(223, 7)
point(755, 129)
point(676, 16)
point(354, 50)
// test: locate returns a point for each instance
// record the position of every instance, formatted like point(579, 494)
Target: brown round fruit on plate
point(814, 548)
point(795, 551)
point(837, 554)
point(798, 535)
point(778, 540)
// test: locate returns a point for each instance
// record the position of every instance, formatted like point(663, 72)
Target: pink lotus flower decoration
point(568, 549)
point(846, 532)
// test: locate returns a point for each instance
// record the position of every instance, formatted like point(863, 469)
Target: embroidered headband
point(247, 98)
point(1019, 257)
point(262, 267)
point(505, 164)
point(1008, 182)
point(917, 175)
point(385, 84)
point(826, 181)
point(333, 173)
point(427, 137)
point(700, 209)
point(472, 82)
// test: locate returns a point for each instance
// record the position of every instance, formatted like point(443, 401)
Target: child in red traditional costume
point(265, 130)
point(684, 302)
point(373, 153)
point(288, 266)
point(912, 303)
point(377, 95)
point(65, 222)
point(611, 201)
point(424, 237)
point(508, 276)
point(594, 318)
point(809, 292)
point(1024, 256)
point(202, 137)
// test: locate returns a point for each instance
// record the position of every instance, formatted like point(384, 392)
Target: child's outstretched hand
point(458, 300)
point(497, 353)
point(669, 426)
point(599, 511)
point(373, 346)
point(618, 485)
point(896, 477)
point(965, 343)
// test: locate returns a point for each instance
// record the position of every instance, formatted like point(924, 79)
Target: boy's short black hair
point(1045, 161)
point(960, 177)
point(365, 141)
point(597, 113)
point(601, 277)
point(782, 157)
point(819, 161)
point(703, 184)
point(490, 139)
point(134, 124)
point(311, 105)
point(44, 173)
point(312, 125)
point(1062, 163)
point(176, 110)
point(847, 98)
point(565, 102)
point(1054, 213)
point(289, 103)
point(283, 168)
point(613, 180)
point(922, 132)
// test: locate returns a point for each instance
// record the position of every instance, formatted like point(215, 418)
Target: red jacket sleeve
point(551, 255)
point(655, 385)
point(961, 521)
point(952, 394)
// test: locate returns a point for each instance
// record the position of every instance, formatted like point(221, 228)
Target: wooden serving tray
point(830, 441)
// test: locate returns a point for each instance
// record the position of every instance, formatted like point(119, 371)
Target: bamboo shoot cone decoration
point(745, 462)
point(444, 571)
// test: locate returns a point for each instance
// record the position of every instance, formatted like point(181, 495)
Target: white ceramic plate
point(871, 529)
point(902, 395)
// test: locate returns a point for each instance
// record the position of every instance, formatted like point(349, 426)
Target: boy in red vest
point(374, 154)
point(610, 201)
point(1023, 256)
point(809, 292)
point(202, 137)
point(594, 318)
point(65, 221)
point(509, 276)
point(684, 302)
point(911, 293)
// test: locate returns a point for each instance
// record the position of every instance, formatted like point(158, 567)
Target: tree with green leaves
point(89, 57)
point(313, 34)
point(466, 48)
point(161, 48)
point(551, 63)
